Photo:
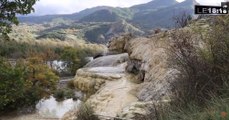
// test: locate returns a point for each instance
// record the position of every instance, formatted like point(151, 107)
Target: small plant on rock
point(86, 113)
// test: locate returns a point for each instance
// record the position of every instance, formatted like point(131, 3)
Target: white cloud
point(207, 2)
point(44, 7)
point(210, 2)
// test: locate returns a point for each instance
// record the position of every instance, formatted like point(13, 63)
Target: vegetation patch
point(86, 112)
point(25, 83)
point(65, 93)
point(201, 91)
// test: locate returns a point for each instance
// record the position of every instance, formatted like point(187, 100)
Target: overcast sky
point(44, 7)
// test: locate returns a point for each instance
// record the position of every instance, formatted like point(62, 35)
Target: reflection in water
point(50, 108)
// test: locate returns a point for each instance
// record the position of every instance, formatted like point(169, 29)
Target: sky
point(46, 7)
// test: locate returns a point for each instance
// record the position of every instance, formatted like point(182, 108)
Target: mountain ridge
point(95, 23)
point(124, 13)
point(165, 21)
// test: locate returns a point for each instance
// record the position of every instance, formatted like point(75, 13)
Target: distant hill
point(50, 18)
point(99, 24)
point(104, 32)
point(101, 16)
point(40, 19)
point(93, 32)
point(108, 15)
point(162, 17)
point(153, 5)
point(141, 15)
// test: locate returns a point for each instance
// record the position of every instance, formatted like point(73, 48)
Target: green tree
point(9, 10)
point(74, 58)
point(25, 83)
point(11, 84)
point(41, 79)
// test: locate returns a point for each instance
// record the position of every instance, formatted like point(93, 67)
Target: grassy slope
point(51, 36)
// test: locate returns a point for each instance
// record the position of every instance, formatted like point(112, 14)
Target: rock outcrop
point(158, 76)
point(89, 80)
point(108, 87)
point(114, 96)
point(129, 85)
point(139, 111)
point(149, 61)
point(97, 72)
point(119, 44)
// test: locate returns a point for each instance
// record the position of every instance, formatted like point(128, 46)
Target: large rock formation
point(149, 61)
point(108, 87)
point(158, 76)
point(129, 85)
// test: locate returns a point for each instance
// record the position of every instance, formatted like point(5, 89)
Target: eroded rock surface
point(112, 79)
point(110, 86)
point(152, 66)
point(89, 80)
point(139, 111)
point(114, 96)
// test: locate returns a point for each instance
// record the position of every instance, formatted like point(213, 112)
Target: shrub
point(12, 85)
point(59, 95)
point(70, 84)
point(215, 109)
point(25, 83)
point(182, 19)
point(86, 113)
point(192, 83)
point(62, 94)
point(202, 89)
point(74, 58)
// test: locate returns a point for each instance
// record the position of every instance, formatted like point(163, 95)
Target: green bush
point(74, 58)
point(59, 95)
point(25, 83)
point(12, 85)
point(62, 94)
